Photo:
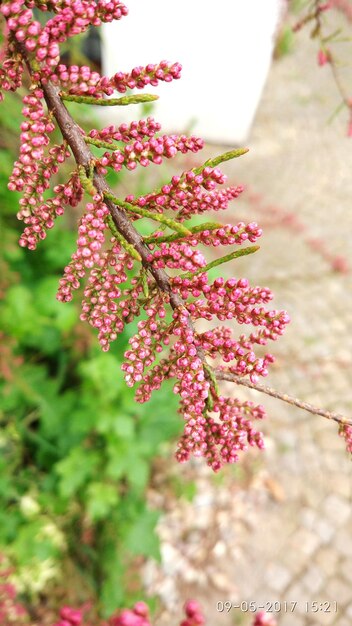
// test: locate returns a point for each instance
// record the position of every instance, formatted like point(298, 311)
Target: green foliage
point(76, 450)
point(285, 42)
point(296, 6)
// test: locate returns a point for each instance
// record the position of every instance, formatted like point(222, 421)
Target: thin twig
point(269, 391)
point(338, 82)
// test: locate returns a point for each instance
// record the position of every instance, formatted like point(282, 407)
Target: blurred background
point(225, 55)
point(93, 507)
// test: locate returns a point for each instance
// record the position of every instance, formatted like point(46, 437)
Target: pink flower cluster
point(34, 138)
point(41, 44)
point(177, 256)
point(135, 131)
point(91, 237)
point(84, 81)
point(38, 214)
point(236, 299)
point(75, 79)
point(11, 75)
point(74, 17)
point(30, 34)
point(222, 235)
point(70, 617)
point(220, 440)
point(219, 342)
point(141, 77)
point(147, 343)
point(102, 306)
point(191, 193)
point(137, 616)
point(194, 614)
point(33, 171)
point(146, 151)
point(229, 234)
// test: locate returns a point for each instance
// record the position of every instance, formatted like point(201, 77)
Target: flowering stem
point(223, 259)
point(181, 230)
point(338, 82)
point(108, 102)
point(269, 391)
point(127, 246)
point(144, 280)
point(221, 158)
point(122, 241)
point(212, 377)
point(194, 229)
point(102, 144)
point(86, 181)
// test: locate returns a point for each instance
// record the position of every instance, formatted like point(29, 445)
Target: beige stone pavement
point(279, 527)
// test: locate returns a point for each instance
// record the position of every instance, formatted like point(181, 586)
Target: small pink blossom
point(264, 619)
point(345, 431)
point(349, 126)
point(323, 57)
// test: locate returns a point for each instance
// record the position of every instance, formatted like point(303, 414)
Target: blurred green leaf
point(64, 316)
point(113, 587)
point(284, 43)
point(100, 499)
point(33, 542)
point(117, 424)
point(138, 474)
point(141, 537)
point(102, 374)
point(75, 470)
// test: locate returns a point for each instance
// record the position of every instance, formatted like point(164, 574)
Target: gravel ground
point(277, 527)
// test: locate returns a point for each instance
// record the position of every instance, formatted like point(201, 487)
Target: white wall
point(225, 49)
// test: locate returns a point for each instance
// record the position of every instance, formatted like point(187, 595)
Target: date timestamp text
point(277, 606)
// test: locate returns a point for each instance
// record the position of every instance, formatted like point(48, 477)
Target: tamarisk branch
point(72, 133)
point(127, 277)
